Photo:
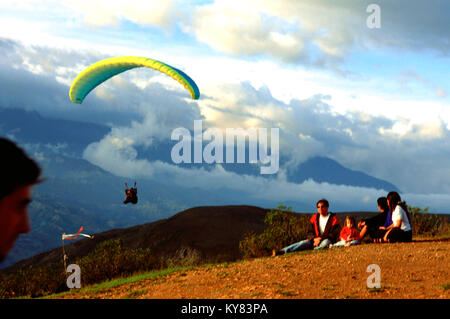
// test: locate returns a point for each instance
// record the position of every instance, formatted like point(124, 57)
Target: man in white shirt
point(400, 219)
point(323, 221)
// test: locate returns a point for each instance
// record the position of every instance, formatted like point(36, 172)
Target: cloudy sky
point(374, 99)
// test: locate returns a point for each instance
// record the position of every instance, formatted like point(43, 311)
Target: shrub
point(183, 257)
point(109, 260)
point(32, 282)
point(283, 227)
point(426, 224)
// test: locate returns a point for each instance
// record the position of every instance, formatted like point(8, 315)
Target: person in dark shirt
point(376, 226)
point(131, 194)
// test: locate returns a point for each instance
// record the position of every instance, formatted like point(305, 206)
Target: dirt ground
point(407, 270)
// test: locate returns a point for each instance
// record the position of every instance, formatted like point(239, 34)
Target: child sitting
point(349, 234)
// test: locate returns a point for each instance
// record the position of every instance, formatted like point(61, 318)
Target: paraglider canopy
point(103, 70)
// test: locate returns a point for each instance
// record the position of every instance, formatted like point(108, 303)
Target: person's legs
point(301, 245)
point(378, 234)
point(402, 236)
point(325, 243)
point(408, 236)
point(373, 232)
point(339, 244)
point(396, 235)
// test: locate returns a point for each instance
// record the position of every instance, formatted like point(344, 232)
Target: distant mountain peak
point(323, 169)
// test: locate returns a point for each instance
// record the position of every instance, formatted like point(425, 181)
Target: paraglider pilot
point(131, 194)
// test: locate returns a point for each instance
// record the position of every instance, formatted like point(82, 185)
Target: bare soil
point(408, 270)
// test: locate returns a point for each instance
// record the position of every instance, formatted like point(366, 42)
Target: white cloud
point(122, 161)
point(100, 13)
point(237, 93)
point(296, 30)
point(239, 29)
point(385, 148)
point(390, 148)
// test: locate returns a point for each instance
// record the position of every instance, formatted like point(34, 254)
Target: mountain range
point(77, 192)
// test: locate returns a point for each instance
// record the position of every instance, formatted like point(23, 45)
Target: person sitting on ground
point(19, 174)
point(323, 230)
point(131, 194)
point(400, 230)
point(383, 229)
point(349, 234)
point(376, 226)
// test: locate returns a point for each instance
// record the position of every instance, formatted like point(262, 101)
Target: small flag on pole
point(75, 236)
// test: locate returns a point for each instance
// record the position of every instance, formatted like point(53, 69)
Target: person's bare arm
point(395, 224)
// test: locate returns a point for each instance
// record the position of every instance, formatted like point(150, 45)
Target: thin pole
point(64, 255)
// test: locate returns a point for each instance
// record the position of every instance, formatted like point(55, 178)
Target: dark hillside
point(213, 231)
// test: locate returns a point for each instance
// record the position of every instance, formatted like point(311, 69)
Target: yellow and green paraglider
point(103, 70)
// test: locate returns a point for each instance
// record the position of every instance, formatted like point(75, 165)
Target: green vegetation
point(426, 224)
point(96, 288)
point(284, 227)
point(110, 260)
point(31, 282)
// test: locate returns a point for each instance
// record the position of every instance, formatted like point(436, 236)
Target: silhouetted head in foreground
point(18, 174)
